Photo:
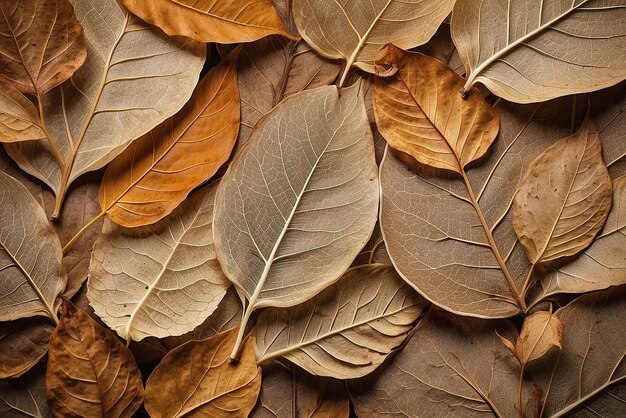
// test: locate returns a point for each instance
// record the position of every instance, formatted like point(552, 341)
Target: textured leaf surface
point(157, 171)
point(348, 329)
point(22, 344)
point(31, 273)
point(541, 332)
point(197, 379)
point(159, 280)
point(41, 44)
point(25, 396)
point(90, 372)
point(19, 120)
point(529, 51)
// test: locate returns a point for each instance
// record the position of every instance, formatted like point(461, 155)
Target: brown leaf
point(421, 114)
point(19, 120)
point(157, 172)
point(374, 251)
point(564, 199)
point(25, 396)
point(22, 344)
point(198, 379)
point(221, 21)
point(90, 372)
point(540, 333)
point(41, 44)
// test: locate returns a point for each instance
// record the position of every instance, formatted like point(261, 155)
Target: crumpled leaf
point(22, 344)
point(25, 396)
point(19, 120)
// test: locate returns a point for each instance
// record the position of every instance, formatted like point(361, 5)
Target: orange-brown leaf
point(541, 331)
point(19, 120)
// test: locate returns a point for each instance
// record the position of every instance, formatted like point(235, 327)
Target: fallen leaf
point(374, 251)
point(22, 344)
point(221, 21)
point(299, 202)
point(355, 31)
point(31, 273)
point(347, 330)
point(156, 172)
point(452, 366)
point(160, 280)
point(541, 332)
point(90, 372)
point(19, 120)
point(198, 379)
point(527, 51)
point(41, 44)
point(134, 78)
point(25, 396)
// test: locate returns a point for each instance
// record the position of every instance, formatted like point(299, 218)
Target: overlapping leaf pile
point(296, 208)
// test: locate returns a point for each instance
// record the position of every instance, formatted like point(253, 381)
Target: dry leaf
point(374, 251)
point(355, 31)
point(300, 200)
point(289, 392)
point(420, 114)
point(41, 44)
point(588, 374)
point(134, 78)
point(160, 280)
point(25, 397)
point(197, 379)
point(19, 120)
point(22, 344)
point(221, 21)
point(31, 273)
point(540, 333)
point(90, 372)
point(452, 366)
point(347, 330)
point(529, 51)
point(157, 172)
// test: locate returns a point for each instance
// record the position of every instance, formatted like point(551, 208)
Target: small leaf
point(25, 396)
point(22, 344)
point(540, 333)
point(90, 372)
point(197, 379)
point(19, 120)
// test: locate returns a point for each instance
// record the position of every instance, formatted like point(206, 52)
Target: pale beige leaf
point(535, 50)
point(160, 280)
point(299, 202)
point(451, 367)
point(347, 330)
point(134, 78)
point(19, 120)
point(31, 272)
point(25, 397)
point(564, 198)
point(22, 344)
point(540, 333)
point(355, 31)
point(197, 379)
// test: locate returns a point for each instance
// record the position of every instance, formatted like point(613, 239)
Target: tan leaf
point(452, 366)
point(19, 120)
point(25, 396)
point(355, 31)
point(134, 78)
point(348, 329)
point(160, 280)
point(529, 50)
point(221, 21)
point(197, 379)
point(540, 333)
point(374, 251)
point(90, 372)
point(157, 172)
point(290, 392)
point(41, 44)
point(564, 198)
point(22, 344)
point(420, 114)
point(31, 273)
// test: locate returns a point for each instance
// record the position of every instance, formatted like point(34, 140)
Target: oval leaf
point(528, 51)
point(22, 344)
point(19, 120)
point(157, 171)
point(160, 280)
point(347, 330)
point(90, 372)
point(197, 378)
point(540, 333)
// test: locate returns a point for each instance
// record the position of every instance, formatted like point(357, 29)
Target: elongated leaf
point(299, 202)
point(31, 274)
point(22, 344)
point(222, 21)
point(157, 172)
point(534, 50)
point(347, 330)
point(197, 379)
point(355, 31)
point(25, 397)
point(41, 44)
point(452, 366)
point(19, 120)
point(590, 372)
point(160, 280)
point(564, 199)
point(90, 372)
point(134, 78)
point(289, 392)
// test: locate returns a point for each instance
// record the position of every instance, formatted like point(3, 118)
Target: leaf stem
point(53, 148)
point(520, 390)
point(75, 238)
point(234, 355)
point(529, 277)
